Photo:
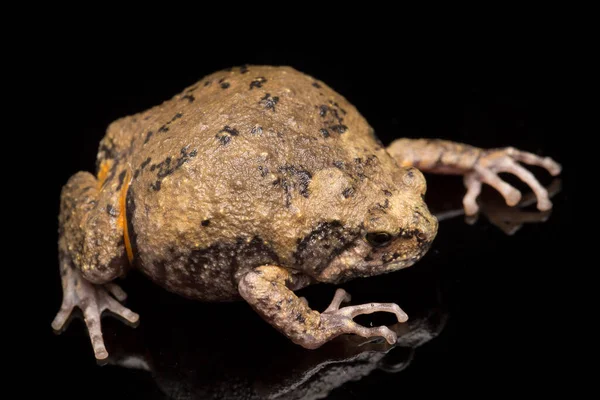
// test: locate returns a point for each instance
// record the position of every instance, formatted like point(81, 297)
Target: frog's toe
point(507, 160)
point(93, 300)
point(341, 319)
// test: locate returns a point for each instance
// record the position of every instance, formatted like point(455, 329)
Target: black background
point(502, 293)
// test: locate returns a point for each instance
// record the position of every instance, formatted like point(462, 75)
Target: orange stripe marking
point(123, 216)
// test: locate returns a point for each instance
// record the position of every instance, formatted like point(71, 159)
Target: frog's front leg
point(268, 289)
point(477, 166)
point(92, 251)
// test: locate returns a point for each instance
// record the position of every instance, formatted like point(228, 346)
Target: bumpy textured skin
point(252, 183)
point(249, 167)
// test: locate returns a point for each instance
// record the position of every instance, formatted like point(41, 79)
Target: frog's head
point(397, 231)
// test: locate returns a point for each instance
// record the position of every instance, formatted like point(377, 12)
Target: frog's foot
point(336, 320)
point(491, 163)
point(92, 300)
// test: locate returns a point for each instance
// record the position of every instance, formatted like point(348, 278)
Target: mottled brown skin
point(252, 183)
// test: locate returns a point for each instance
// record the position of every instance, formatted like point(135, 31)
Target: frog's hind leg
point(92, 253)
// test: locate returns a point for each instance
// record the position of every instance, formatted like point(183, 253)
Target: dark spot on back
point(148, 136)
point(348, 192)
point(264, 171)
point(324, 132)
point(315, 84)
point(339, 128)
point(156, 186)
point(387, 192)
point(206, 83)
point(189, 97)
point(145, 163)
point(225, 85)
point(256, 130)
point(323, 110)
point(338, 164)
point(225, 134)
point(258, 82)
point(206, 222)
point(244, 69)
point(269, 102)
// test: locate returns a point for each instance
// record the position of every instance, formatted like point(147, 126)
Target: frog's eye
point(378, 239)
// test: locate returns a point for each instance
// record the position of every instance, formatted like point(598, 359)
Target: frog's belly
point(197, 278)
point(208, 274)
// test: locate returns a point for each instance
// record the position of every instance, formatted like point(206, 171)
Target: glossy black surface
point(484, 307)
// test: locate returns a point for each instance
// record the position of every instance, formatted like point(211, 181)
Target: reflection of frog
point(253, 183)
point(188, 361)
point(508, 219)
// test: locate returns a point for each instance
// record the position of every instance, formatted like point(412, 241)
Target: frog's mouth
point(362, 260)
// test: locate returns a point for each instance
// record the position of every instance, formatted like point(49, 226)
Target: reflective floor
point(476, 306)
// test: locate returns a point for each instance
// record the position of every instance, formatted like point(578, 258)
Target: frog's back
point(224, 166)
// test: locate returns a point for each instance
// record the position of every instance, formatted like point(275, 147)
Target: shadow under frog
point(191, 361)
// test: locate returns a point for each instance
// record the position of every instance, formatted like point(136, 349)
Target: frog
point(251, 184)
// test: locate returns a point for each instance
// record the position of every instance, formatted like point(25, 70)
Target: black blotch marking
point(339, 128)
point(163, 128)
point(276, 182)
point(338, 164)
point(325, 242)
point(192, 89)
point(108, 150)
point(206, 222)
point(189, 97)
point(372, 159)
point(323, 110)
point(207, 83)
point(315, 84)
point(258, 82)
point(256, 130)
point(358, 160)
point(221, 80)
point(121, 179)
point(136, 173)
point(295, 178)
point(111, 211)
point(145, 163)
point(300, 318)
point(368, 258)
point(324, 132)
point(348, 192)
point(148, 136)
point(225, 134)
point(156, 186)
point(269, 102)
point(225, 85)
point(387, 192)
point(385, 205)
point(244, 69)
point(167, 167)
point(264, 171)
